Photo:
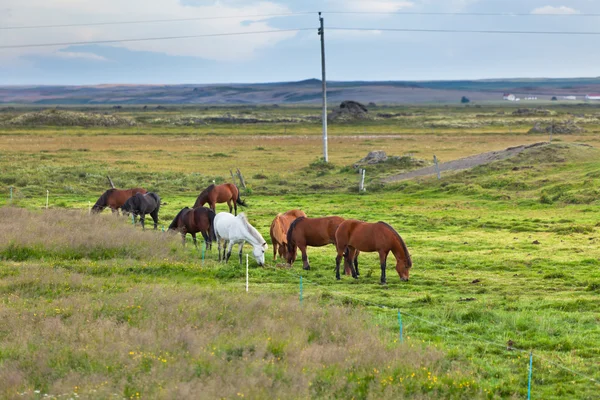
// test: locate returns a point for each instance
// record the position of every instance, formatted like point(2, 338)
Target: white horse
point(238, 230)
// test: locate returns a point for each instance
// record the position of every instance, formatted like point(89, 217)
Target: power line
point(21, 46)
point(150, 21)
point(476, 14)
point(465, 31)
point(290, 14)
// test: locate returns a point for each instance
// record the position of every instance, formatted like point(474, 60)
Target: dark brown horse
point(115, 198)
point(315, 232)
point(353, 236)
point(225, 193)
point(195, 220)
point(279, 229)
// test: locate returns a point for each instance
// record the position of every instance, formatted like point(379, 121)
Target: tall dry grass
point(166, 342)
point(72, 234)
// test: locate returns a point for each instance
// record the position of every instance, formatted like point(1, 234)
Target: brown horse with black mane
point(194, 220)
point(315, 232)
point(225, 193)
point(115, 198)
point(279, 230)
point(353, 236)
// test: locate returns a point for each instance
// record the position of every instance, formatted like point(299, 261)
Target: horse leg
point(347, 270)
point(234, 207)
point(356, 262)
point(195, 241)
point(206, 239)
point(154, 216)
point(241, 248)
point(349, 255)
point(338, 259)
point(230, 207)
point(305, 263)
point(219, 247)
point(183, 237)
point(382, 259)
point(274, 250)
point(229, 247)
point(142, 219)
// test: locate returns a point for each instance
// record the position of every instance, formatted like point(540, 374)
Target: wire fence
point(402, 313)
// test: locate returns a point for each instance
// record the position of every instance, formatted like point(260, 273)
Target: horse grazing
point(315, 232)
point(195, 220)
point(115, 198)
point(142, 204)
point(279, 229)
point(238, 230)
point(352, 236)
point(225, 193)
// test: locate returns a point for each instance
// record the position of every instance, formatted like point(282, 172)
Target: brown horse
point(115, 198)
point(195, 220)
point(279, 229)
point(315, 232)
point(225, 193)
point(352, 236)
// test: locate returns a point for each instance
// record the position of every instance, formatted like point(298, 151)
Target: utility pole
point(324, 82)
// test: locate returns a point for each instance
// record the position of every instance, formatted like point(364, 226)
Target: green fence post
point(530, 371)
point(400, 325)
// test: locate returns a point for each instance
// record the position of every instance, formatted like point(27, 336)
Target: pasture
point(503, 252)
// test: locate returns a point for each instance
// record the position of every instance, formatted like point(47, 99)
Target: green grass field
point(507, 251)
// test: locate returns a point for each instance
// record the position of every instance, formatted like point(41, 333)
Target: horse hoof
point(306, 268)
point(383, 283)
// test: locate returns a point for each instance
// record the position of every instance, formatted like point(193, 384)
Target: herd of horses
point(290, 231)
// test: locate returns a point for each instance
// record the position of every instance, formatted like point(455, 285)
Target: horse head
point(258, 251)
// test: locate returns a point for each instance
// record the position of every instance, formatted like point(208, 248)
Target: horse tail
point(174, 224)
point(290, 243)
point(409, 263)
point(102, 201)
point(156, 198)
point(211, 228)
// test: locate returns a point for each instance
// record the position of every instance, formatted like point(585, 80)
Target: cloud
point(554, 10)
point(79, 55)
point(44, 12)
point(371, 6)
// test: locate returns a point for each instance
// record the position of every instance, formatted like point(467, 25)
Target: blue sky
point(293, 56)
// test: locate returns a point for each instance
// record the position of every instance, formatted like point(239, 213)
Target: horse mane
point(401, 242)
point(289, 233)
point(204, 194)
point(103, 200)
point(256, 234)
point(173, 225)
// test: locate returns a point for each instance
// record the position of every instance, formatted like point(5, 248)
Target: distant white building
point(569, 97)
point(592, 96)
point(530, 98)
point(509, 97)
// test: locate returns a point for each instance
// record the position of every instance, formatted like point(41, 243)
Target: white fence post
point(437, 166)
point(47, 198)
point(246, 273)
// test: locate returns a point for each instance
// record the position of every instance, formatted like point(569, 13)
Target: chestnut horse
point(115, 198)
point(353, 236)
point(195, 220)
point(315, 232)
point(279, 229)
point(225, 193)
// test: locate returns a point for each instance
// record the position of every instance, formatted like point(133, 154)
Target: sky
point(293, 55)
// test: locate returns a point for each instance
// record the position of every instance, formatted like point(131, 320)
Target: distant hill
point(305, 91)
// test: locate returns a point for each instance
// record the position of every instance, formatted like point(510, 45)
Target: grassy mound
point(55, 117)
point(73, 235)
point(154, 341)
